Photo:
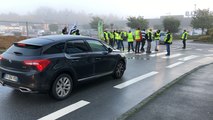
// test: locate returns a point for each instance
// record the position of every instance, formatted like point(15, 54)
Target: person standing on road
point(106, 36)
point(168, 42)
point(111, 38)
point(149, 40)
point(143, 41)
point(184, 38)
point(138, 40)
point(130, 39)
point(64, 30)
point(77, 32)
point(157, 38)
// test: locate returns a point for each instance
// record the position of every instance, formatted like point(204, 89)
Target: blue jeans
point(167, 48)
point(120, 44)
point(130, 44)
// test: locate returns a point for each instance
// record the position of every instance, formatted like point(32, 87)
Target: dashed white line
point(210, 50)
point(134, 80)
point(188, 58)
point(172, 56)
point(64, 111)
point(158, 54)
point(199, 49)
point(208, 55)
point(174, 65)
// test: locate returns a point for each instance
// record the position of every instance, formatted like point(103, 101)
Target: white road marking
point(158, 54)
point(210, 50)
point(172, 56)
point(209, 55)
point(174, 65)
point(134, 80)
point(188, 58)
point(199, 49)
point(64, 111)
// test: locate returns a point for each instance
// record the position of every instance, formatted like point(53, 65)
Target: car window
point(96, 46)
point(24, 49)
point(58, 48)
point(76, 46)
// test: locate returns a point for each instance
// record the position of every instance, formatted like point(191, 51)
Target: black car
point(56, 63)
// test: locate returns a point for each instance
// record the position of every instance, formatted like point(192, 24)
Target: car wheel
point(119, 70)
point(62, 87)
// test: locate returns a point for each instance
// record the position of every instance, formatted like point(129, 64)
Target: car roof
point(44, 40)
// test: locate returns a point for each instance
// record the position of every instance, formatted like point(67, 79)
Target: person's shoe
point(148, 52)
point(167, 55)
point(156, 49)
point(183, 47)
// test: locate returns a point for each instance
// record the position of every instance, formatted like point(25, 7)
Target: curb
point(137, 107)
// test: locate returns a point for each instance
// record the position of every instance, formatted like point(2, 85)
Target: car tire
point(119, 70)
point(62, 87)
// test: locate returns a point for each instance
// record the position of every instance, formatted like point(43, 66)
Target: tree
point(134, 22)
point(171, 24)
point(203, 19)
point(94, 22)
point(159, 27)
point(53, 27)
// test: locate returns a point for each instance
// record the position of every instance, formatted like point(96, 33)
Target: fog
point(50, 15)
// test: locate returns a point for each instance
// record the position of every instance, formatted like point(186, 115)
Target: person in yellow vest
point(130, 40)
point(184, 38)
point(120, 41)
point(124, 35)
point(111, 38)
point(168, 42)
point(106, 36)
point(116, 35)
point(138, 40)
point(157, 38)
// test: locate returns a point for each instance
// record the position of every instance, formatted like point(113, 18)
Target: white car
point(162, 36)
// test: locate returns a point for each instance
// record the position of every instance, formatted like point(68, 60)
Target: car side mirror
point(110, 50)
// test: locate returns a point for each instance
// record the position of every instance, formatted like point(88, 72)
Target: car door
point(104, 61)
point(78, 58)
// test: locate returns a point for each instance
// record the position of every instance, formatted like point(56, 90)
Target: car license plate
point(10, 77)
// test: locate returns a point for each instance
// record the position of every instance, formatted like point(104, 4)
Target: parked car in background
point(162, 36)
point(55, 63)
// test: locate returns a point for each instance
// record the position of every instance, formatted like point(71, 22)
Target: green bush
point(193, 37)
point(205, 38)
point(210, 32)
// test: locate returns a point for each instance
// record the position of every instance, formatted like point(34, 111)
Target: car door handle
point(97, 58)
point(75, 60)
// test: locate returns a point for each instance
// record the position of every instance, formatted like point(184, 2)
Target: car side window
point(58, 48)
point(96, 46)
point(76, 46)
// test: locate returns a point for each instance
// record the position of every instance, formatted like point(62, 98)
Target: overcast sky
point(121, 8)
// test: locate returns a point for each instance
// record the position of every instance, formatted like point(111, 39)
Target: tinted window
point(76, 46)
point(24, 49)
point(58, 48)
point(96, 46)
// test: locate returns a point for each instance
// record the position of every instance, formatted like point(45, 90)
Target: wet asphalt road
point(105, 101)
point(191, 98)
